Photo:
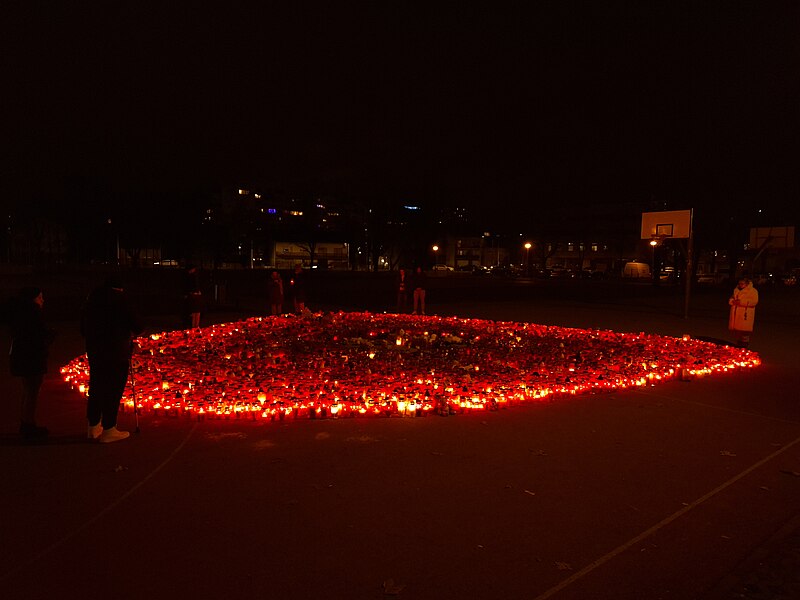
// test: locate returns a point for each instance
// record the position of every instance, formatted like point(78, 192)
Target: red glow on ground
point(361, 364)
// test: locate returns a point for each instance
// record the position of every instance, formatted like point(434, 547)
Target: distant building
point(326, 255)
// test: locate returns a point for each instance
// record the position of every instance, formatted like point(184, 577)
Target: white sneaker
point(113, 435)
point(94, 431)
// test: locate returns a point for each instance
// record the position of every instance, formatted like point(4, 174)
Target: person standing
point(403, 285)
point(298, 283)
point(108, 325)
point(30, 340)
point(419, 285)
point(192, 297)
point(742, 313)
point(276, 293)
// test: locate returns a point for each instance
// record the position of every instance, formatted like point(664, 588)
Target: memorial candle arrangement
point(342, 365)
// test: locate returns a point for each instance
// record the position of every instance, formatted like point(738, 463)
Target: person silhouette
point(420, 283)
point(108, 325)
point(30, 340)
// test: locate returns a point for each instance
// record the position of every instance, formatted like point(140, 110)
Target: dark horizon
point(648, 105)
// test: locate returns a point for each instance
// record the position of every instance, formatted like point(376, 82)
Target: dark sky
point(689, 104)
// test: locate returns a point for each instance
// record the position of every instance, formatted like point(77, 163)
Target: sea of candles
point(340, 365)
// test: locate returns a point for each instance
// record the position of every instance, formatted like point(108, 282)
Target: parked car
point(713, 278)
point(560, 272)
point(764, 279)
point(441, 267)
point(669, 274)
point(475, 269)
point(789, 279)
point(636, 270)
point(506, 271)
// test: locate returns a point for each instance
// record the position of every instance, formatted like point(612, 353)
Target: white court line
point(722, 408)
point(99, 515)
point(661, 524)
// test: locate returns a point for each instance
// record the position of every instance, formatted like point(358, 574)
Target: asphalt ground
point(686, 490)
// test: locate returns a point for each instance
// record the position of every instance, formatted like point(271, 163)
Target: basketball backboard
point(775, 237)
point(666, 224)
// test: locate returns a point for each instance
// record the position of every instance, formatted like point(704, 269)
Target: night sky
point(664, 105)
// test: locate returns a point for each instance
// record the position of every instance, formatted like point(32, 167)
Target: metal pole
point(133, 390)
point(689, 262)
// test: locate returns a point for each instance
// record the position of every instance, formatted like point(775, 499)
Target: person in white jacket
point(743, 311)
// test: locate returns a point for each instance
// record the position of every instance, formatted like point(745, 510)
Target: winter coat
point(192, 294)
point(298, 284)
point(276, 291)
point(29, 341)
point(403, 282)
point(109, 325)
point(743, 311)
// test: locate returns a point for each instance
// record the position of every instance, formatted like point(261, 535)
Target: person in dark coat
point(403, 285)
point(192, 297)
point(298, 283)
point(420, 284)
point(275, 293)
point(109, 324)
point(30, 340)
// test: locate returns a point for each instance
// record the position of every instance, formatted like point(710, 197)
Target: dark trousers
point(402, 301)
point(106, 385)
point(30, 394)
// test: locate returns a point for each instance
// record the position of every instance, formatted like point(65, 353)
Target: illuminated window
point(595, 247)
point(570, 247)
point(244, 192)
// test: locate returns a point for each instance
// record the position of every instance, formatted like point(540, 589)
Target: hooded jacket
point(743, 312)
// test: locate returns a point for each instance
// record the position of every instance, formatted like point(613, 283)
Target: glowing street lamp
point(435, 254)
point(654, 243)
point(527, 258)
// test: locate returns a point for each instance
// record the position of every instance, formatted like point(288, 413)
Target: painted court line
point(722, 408)
point(660, 525)
point(101, 514)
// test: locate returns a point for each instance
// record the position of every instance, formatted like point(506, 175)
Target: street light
point(654, 243)
point(527, 258)
point(435, 254)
